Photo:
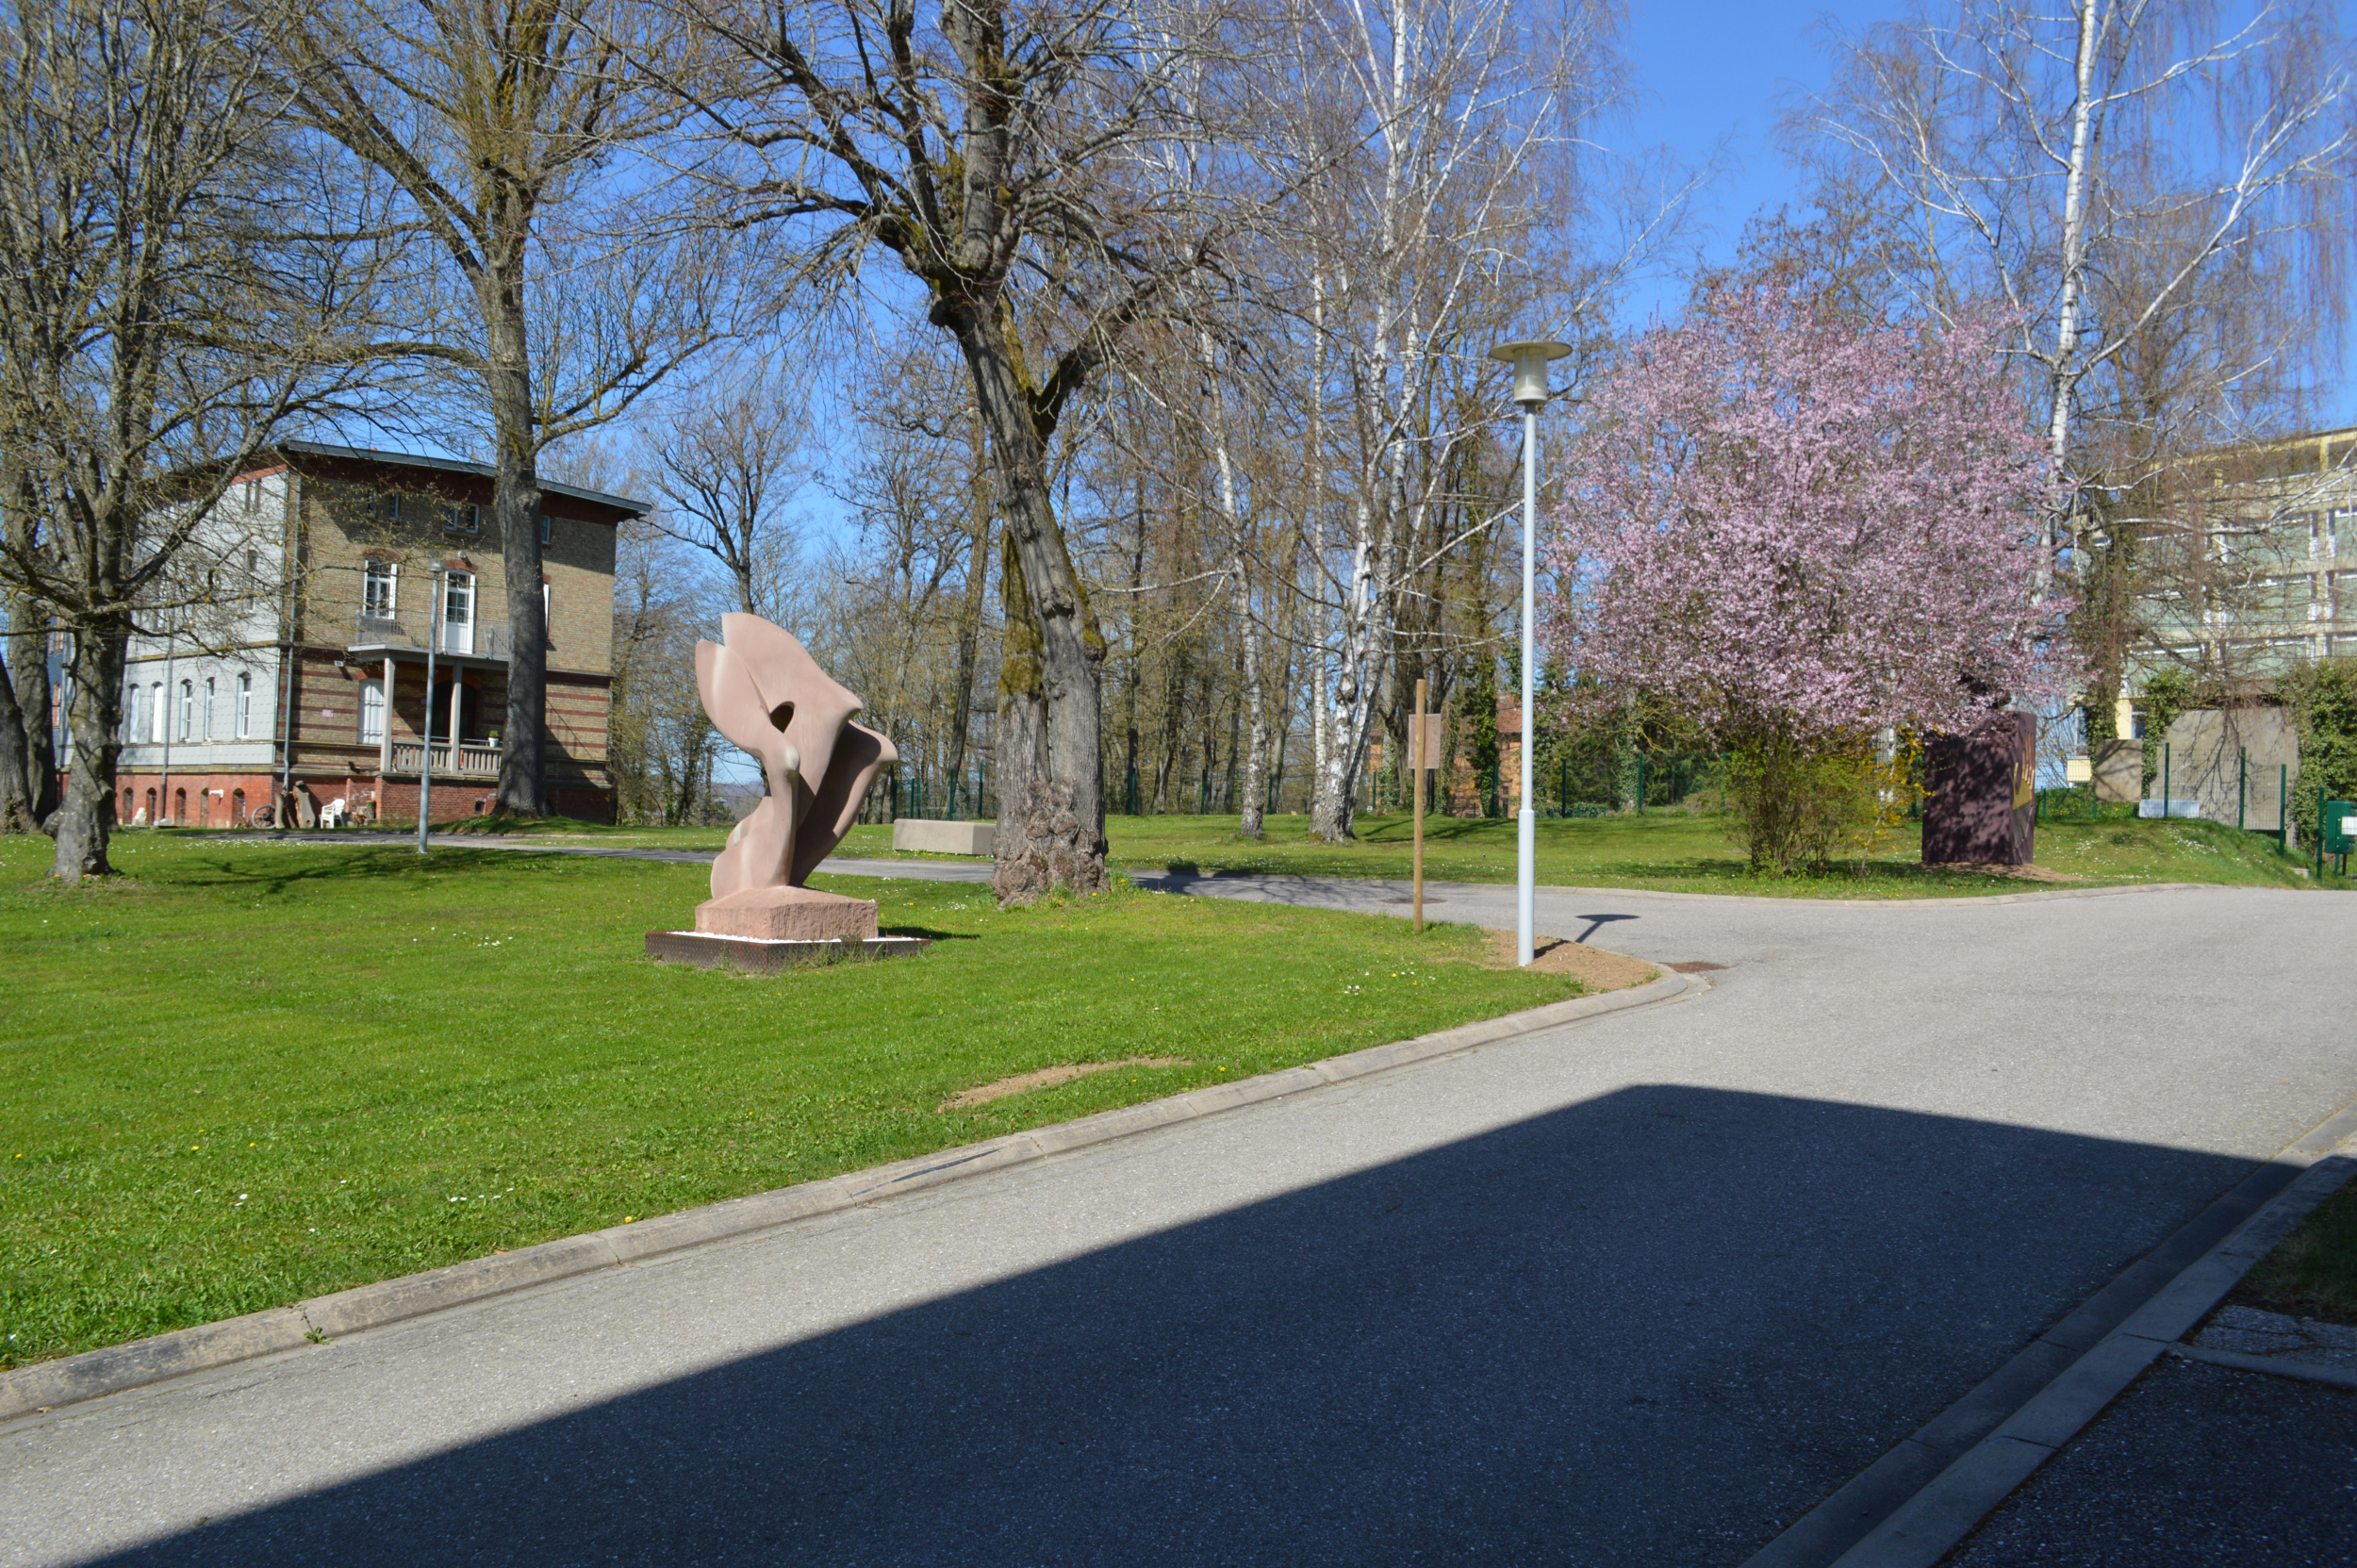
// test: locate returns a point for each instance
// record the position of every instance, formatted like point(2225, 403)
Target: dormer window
point(461, 517)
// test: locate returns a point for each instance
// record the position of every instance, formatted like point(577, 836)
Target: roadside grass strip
point(249, 1073)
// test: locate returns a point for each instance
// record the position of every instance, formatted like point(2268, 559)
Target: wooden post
point(1415, 762)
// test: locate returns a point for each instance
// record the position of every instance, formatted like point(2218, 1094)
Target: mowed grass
point(1677, 851)
point(250, 1073)
point(1668, 851)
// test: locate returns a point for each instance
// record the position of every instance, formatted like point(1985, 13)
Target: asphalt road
point(1641, 1290)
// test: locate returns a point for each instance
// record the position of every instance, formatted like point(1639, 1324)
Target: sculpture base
point(752, 956)
point(788, 914)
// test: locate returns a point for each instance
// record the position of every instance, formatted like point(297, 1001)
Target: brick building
point(308, 670)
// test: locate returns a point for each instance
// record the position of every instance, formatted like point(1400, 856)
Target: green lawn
point(1677, 852)
point(249, 1073)
point(2314, 1274)
point(1670, 851)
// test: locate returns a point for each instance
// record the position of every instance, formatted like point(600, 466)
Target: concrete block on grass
point(945, 838)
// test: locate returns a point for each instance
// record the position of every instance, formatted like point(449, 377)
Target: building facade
point(2257, 574)
point(305, 674)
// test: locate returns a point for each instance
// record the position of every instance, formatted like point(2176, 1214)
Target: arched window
point(187, 716)
point(236, 807)
point(156, 717)
point(210, 695)
point(130, 728)
point(150, 808)
point(245, 705)
point(179, 807)
point(127, 807)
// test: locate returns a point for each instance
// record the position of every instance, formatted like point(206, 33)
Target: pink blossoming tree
point(1796, 530)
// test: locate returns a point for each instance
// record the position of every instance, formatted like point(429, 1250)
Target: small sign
point(2079, 770)
point(1434, 740)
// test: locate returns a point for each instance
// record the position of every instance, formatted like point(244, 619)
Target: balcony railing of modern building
point(481, 639)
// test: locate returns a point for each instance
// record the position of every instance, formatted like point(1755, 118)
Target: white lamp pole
point(1529, 359)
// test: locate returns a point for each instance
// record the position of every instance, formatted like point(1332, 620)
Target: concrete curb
point(73, 1380)
point(1915, 1504)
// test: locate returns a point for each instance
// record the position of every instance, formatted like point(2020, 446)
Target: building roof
point(456, 465)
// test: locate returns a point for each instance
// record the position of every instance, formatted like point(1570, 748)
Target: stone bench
point(944, 838)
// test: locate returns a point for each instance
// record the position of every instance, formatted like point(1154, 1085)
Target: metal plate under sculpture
point(768, 696)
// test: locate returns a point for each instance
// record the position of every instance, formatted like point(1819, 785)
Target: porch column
point(385, 740)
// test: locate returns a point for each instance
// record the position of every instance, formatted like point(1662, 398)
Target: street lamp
point(1530, 361)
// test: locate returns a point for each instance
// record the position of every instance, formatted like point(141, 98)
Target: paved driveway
point(1641, 1291)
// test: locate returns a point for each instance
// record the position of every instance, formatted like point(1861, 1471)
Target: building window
point(458, 613)
point(210, 694)
point(156, 713)
point(386, 507)
point(373, 713)
point(250, 491)
point(462, 518)
point(245, 705)
point(130, 724)
point(545, 528)
point(187, 709)
point(377, 590)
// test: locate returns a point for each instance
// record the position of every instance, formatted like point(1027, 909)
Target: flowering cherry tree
point(1795, 530)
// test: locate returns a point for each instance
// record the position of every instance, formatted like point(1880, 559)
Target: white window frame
point(131, 713)
point(212, 697)
point(461, 516)
point(188, 710)
point(245, 704)
point(450, 586)
point(376, 571)
point(372, 712)
point(158, 716)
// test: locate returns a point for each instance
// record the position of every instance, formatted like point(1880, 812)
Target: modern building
point(2256, 572)
point(302, 666)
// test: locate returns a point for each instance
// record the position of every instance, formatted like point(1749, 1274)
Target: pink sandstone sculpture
point(769, 697)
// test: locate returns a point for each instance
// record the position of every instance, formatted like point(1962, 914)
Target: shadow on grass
point(1648, 1329)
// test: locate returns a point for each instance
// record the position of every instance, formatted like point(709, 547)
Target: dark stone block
point(1980, 794)
point(754, 956)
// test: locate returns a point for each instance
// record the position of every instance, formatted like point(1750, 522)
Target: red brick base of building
point(233, 800)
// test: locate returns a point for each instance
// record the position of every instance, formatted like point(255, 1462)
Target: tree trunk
point(28, 755)
point(1071, 651)
point(94, 734)
point(970, 612)
point(523, 787)
point(1249, 809)
point(1022, 759)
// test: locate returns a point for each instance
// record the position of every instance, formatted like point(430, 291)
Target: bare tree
point(727, 468)
point(994, 149)
point(519, 136)
point(171, 276)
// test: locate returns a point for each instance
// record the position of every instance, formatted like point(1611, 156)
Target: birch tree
point(2088, 163)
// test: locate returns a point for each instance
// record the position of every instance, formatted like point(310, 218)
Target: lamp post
point(1530, 361)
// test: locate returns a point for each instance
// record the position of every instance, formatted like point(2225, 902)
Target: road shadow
point(1649, 1328)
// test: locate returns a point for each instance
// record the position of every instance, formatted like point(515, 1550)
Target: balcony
point(481, 639)
point(468, 758)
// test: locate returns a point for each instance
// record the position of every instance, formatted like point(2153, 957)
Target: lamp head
point(1529, 361)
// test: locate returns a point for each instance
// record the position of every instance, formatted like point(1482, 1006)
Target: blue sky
point(1715, 74)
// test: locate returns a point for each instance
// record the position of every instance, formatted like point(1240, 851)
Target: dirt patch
point(967, 1098)
point(1597, 969)
point(2016, 873)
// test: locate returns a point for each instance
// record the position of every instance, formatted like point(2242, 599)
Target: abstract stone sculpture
point(768, 696)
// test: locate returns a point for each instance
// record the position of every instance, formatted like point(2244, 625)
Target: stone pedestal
point(2119, 771)
point(788, 914)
